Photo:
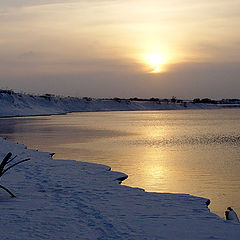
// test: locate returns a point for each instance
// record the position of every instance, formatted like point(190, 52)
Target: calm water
point(192, 151)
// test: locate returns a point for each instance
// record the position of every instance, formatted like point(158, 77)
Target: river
point(184, 151)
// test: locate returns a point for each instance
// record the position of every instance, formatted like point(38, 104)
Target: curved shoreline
point(66, 199)
point(48, 186)
point(63, 199)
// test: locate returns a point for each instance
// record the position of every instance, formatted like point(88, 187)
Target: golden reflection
point(156, 132)
point(153, 173)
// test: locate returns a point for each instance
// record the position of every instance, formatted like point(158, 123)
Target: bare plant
point(4, 167)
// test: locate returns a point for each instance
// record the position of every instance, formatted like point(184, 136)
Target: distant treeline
point(176, 100)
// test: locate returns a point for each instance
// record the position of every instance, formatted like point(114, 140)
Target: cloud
point(27, 3)
point(24, 3)
point(87, 46)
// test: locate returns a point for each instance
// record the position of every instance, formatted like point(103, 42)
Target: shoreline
point(65, 113)
point(18, 104)
point(86, 199)
point(65, 199)
point(14, 104)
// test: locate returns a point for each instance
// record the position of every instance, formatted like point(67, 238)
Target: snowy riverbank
point(17, 104)
point(63, 199)
point(59, 199)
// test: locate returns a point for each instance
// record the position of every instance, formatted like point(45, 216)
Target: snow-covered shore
point(17, 104)
point(60, 199)
point(65, 199)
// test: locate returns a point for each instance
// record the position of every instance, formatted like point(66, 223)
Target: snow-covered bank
point(59, 199)
point(17, 104)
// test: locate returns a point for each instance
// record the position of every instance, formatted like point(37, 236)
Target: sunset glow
point(69, 47)
point(156, 62)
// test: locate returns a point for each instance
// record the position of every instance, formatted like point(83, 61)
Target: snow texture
point(60, 199)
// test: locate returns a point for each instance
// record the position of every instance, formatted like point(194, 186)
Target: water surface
point(187, 151)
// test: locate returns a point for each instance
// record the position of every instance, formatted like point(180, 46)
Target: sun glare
point(156, 62)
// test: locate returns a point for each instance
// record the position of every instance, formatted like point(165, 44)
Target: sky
point(121, 48)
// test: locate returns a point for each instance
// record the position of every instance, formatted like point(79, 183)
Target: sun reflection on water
point(195, 152)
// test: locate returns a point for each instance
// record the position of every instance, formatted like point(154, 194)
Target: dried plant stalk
point(4, 167)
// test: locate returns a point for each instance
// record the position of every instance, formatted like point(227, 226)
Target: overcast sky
point(123, 48)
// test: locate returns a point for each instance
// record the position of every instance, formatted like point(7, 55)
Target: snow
point(231, 215)
point(17, 104)
point(63, 199)
point(66, 199)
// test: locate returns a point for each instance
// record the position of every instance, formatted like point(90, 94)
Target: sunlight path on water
point(192, 151)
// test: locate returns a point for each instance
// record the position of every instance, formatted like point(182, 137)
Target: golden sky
point(140, 48)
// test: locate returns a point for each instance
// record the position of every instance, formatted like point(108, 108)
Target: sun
point(155, 62)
